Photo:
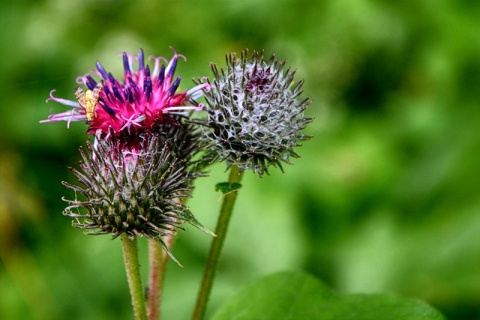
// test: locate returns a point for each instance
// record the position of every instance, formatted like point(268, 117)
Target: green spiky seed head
point(255, 113)
point(135, 184)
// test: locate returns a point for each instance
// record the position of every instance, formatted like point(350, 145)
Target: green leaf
point(295, 295)
point(226, 187)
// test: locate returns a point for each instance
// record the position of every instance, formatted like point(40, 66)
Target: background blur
point(384, 199)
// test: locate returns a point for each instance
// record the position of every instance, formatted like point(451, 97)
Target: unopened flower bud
point(254, 113)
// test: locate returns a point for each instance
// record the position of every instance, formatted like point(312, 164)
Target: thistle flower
point(142, 101)
point(135, 174)
point(254, 115)
point(133, 184)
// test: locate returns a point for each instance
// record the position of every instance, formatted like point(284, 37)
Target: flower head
point(254, 115)
point(135, 187)
point(135, 174)
point(142, 101)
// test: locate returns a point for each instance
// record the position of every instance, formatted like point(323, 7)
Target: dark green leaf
point(295, 295)
point(226, 188)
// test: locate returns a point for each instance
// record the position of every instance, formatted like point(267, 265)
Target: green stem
point(132, 266)
point(217, 244)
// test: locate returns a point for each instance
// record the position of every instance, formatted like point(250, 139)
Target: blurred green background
point(384, 199)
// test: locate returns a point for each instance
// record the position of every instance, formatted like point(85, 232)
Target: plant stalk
point(217, 244)
point(132, 266)
point(158, 266)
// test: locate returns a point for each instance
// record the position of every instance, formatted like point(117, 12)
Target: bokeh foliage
point(384, 198)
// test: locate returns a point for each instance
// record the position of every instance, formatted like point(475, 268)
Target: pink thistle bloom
point(144, 100)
